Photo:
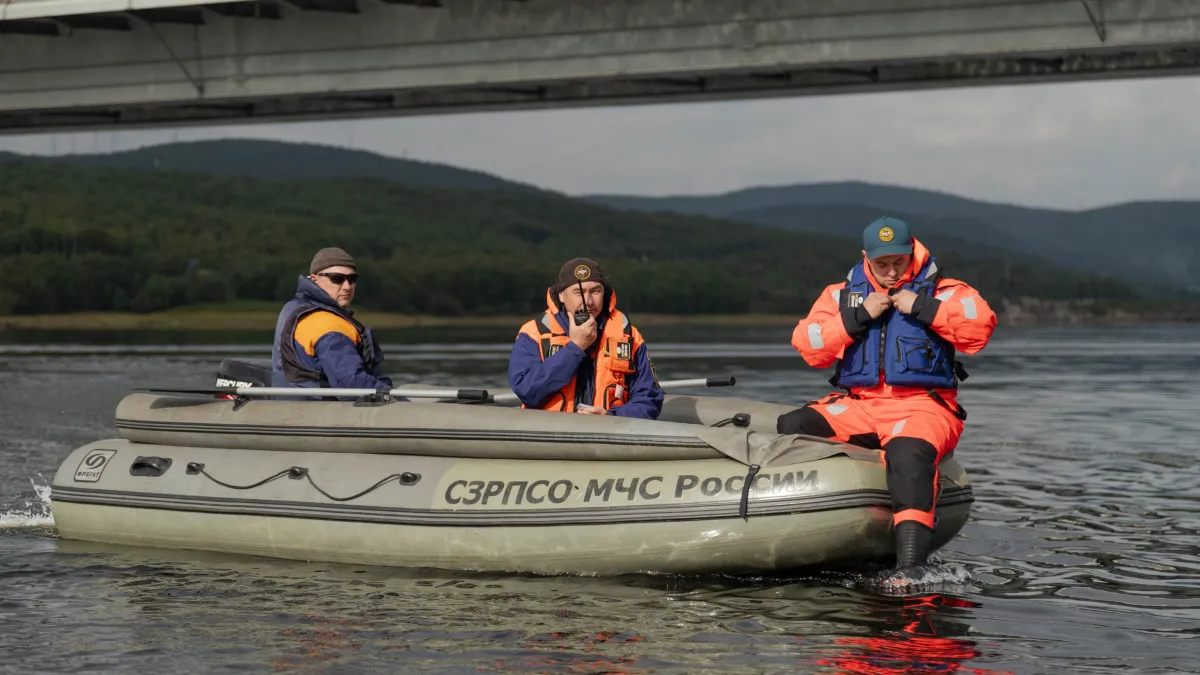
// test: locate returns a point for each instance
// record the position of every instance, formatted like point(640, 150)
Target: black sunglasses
point(338, 278)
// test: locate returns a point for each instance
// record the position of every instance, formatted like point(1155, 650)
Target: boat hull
point(540, 516)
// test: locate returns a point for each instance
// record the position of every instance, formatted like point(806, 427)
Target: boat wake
point(36, 512)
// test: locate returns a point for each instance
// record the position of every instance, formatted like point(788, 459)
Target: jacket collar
point(309, 291)
point(920, 256)
point(560, 313)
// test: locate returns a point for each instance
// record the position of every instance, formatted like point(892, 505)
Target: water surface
point(1082, 555)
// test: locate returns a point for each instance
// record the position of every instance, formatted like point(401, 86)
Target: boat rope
point(744, 505)
point(194, 468)
point(406, 478)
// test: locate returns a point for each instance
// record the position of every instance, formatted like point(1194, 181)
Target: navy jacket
point(336, 356)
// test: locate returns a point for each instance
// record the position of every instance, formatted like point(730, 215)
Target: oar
point(250, 392)
point(669, 384)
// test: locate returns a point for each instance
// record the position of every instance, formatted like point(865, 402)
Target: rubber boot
point(913, 544)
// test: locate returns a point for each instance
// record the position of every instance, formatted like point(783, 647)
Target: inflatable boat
point(709, 487)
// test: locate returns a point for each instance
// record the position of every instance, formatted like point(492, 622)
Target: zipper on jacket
point(883, 350)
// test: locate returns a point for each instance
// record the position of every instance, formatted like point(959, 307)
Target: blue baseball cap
point(887, 236)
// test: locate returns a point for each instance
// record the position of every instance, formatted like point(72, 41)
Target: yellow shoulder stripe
point(314, 326)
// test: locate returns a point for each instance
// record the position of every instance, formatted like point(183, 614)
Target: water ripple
point(1082, 556)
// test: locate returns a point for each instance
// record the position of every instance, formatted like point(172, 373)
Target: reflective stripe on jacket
point(955, 312)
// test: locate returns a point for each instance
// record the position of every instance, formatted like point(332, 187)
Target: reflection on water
point(921, 637)
point(1083, 554)
point(427, 620)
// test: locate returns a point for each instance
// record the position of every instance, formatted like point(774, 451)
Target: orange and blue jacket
point(318, 344)
point(548, 371)
point(953, 311)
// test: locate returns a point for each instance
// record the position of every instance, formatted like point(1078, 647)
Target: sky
point(1066, 145)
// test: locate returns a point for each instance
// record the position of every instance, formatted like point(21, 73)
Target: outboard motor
point(243, 373)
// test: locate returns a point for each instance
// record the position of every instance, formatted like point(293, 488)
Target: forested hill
point(93, 238)
point(275, 160)
point(1155, 243)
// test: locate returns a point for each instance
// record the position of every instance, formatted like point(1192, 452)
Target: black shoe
point(913, 544)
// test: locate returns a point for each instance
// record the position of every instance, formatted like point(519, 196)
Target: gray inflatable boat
point(485, 487)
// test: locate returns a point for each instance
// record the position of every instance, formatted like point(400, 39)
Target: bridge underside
point(64, 65)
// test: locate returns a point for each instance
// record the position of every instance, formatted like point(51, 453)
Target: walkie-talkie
point(581, 314)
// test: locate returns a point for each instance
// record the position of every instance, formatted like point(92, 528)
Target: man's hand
point(904, 300)
point(584, 334)
point(591, 410)
point(877, 303)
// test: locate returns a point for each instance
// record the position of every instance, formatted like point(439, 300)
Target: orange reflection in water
point(317, 645)
point(919, 647)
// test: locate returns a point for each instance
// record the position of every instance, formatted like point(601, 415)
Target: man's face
point(889, 268)
point(339, 282)
point(592, 296)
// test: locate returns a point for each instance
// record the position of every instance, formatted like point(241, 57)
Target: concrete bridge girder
point(266, 59)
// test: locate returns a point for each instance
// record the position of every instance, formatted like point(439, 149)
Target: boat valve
point(297, 472)
point(194, 468)
point(738, 420)
point(409, 478)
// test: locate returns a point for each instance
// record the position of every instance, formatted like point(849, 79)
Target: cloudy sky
point(1072, 146)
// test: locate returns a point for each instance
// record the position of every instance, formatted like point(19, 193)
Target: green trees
point(78, 238)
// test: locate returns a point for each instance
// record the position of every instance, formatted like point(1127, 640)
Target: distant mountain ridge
point(275, 160)
point(1148, 243)
point(914, 200)
point(90, 238)
point(846, 220)
point(1154, 243)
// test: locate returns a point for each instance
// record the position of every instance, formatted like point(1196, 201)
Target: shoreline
point(1049, 314)
point(263, 320)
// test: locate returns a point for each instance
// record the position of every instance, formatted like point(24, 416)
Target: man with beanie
point(890, 331)
point(318, 342)
point(582, 355)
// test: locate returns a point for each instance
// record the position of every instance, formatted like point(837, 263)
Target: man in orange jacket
point(891, 331)
point(582, 354)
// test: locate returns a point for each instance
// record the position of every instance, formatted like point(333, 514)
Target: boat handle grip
point(149, 466)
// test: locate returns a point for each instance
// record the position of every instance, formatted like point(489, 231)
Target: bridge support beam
point(168, 63)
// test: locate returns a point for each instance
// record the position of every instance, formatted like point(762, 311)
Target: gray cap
point(330, 257)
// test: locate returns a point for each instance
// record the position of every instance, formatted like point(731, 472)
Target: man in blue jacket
point(583, 355)
point(318, 342)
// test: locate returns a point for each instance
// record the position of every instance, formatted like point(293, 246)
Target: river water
point(1082, 555)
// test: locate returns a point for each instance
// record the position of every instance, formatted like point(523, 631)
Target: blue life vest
point(912, 354)
point(287, 370)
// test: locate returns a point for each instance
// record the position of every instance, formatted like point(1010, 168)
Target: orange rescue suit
point(916, 427)
point(613, 352)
